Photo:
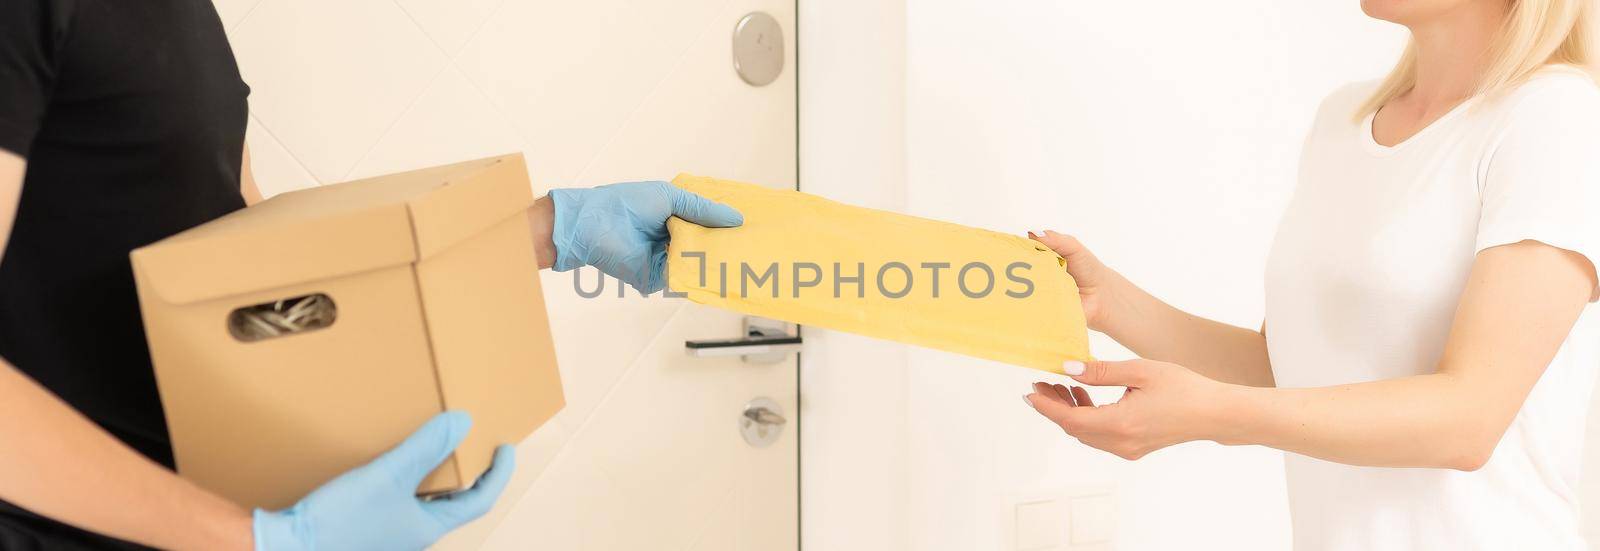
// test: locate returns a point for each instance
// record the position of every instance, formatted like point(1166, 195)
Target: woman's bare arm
point(1156, 330)
point(57, 463)
point(1520, 303)
point(1159, 331)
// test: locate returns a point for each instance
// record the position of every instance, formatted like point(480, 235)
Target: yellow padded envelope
point(809, 260)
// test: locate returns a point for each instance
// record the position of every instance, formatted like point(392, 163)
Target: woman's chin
point(1383, 10)
point(1407, 12)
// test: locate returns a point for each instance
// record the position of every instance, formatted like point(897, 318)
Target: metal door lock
point(762, 422)
point(758, 49)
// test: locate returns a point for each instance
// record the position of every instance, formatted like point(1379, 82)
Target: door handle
point(765, 341)
point(764, 416)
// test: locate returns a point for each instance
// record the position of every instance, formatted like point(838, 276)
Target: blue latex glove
point(622, 228)
point(376, 507)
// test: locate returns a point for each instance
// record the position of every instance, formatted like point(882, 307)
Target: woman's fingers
point(1072, 419)
point(1074, 396)
point(1081, 396)
point(1059, 393)
point(1049, 392)
point(1063, 244)
point(1049, 407)
point(1128, 373)
point(1062, 393)
point(1044, 390)
point(1066, 395)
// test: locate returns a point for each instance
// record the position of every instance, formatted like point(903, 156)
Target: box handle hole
point(283, 317)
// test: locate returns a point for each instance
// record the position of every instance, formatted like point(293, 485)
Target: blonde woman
point(1427, 355)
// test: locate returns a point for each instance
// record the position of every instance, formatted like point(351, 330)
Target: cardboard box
point(437, 305)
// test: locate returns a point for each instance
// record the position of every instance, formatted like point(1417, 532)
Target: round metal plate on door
point(758, 49)
point(762, 422)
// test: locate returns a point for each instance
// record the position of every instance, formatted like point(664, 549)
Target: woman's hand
point(1097, 283)
point(1113, 305)
point(1164, 404)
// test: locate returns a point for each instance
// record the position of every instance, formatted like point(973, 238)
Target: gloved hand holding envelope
point(809, 260)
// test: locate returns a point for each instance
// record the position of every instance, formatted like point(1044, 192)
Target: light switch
point(1040, 525)
point(1093, 520)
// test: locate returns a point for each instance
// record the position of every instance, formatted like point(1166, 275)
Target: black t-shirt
point(131, 115)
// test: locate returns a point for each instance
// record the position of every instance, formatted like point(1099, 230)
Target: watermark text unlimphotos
point(892, 280)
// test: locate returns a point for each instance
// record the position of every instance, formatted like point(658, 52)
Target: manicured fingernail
point(1072, 367)
point(1025, 400)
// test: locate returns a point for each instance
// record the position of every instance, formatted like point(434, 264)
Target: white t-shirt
point(1362, 284)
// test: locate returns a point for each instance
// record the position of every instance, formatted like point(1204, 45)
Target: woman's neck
point(1453, 51)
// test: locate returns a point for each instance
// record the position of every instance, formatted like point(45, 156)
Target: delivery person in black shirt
point(122, 122)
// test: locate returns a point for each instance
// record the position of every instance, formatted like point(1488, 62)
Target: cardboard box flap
point(246, 254)
point(474, 198)
point(337, 230)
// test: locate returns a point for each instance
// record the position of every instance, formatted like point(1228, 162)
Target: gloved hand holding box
point(304, 336)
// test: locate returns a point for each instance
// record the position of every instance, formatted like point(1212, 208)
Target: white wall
point(1165, 134)
point(1589, 483)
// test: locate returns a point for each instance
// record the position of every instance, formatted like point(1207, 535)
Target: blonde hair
point(1538, 33)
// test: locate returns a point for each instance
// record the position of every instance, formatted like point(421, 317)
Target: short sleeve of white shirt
point(1542, 179)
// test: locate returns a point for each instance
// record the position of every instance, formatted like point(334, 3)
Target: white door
point(647, 453)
